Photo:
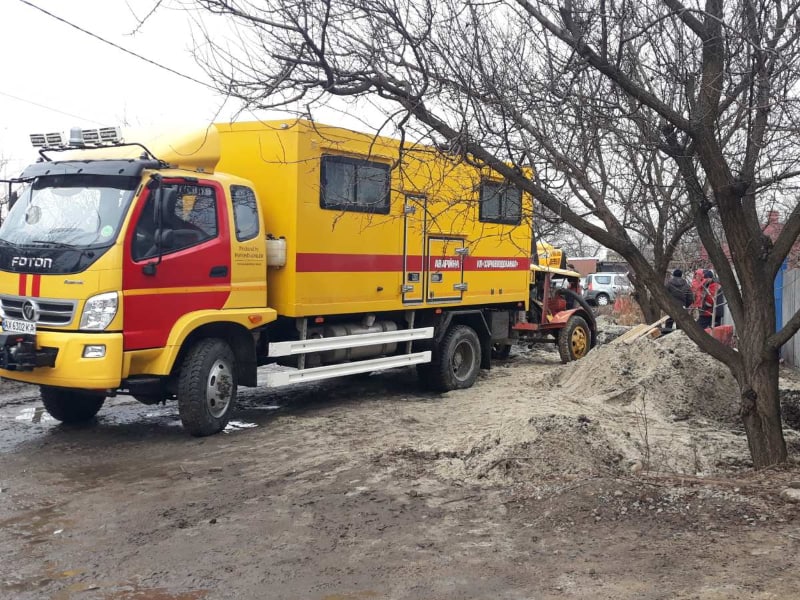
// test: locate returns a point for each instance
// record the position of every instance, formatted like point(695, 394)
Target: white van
point(602, 288)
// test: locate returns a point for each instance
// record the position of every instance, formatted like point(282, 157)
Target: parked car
point(602, 288)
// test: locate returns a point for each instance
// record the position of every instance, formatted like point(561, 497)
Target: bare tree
point(594, 95)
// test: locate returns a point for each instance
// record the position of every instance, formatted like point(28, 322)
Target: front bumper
point(56, 358)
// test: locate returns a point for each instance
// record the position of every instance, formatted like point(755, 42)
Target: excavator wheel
point(574, 340)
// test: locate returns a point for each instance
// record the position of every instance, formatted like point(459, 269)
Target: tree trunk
point(760, 404)
point(758, 383)
point(651, 311)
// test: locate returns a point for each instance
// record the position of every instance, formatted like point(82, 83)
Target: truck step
point(281, 378)
point(295, 347)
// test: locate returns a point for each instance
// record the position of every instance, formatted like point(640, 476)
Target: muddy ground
point(625, 478)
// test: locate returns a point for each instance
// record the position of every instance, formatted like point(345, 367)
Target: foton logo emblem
point(36, 263)
point(30, 310)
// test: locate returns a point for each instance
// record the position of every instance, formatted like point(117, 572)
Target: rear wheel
point(458, 361)
point(207, 387)
point(574, 340)
point(71, 406)
point(602, 299)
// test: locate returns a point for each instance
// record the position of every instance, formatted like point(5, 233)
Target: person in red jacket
point(697, 288)
point(712, 307)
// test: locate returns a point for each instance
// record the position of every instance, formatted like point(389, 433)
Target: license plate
point(17, 326)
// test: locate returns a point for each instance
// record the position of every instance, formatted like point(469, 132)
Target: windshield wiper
point(52, 244)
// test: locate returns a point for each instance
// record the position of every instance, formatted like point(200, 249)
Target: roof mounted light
point(38, 140)
point(91, 136)
point(78, 137)
point(110, 135)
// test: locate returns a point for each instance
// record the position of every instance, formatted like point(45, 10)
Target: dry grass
point(626, 311)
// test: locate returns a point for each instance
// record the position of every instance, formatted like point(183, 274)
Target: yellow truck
point(173, 270)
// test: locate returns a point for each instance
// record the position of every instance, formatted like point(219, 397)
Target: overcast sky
point(55, 77)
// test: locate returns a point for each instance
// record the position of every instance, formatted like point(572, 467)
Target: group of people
point(704, 294)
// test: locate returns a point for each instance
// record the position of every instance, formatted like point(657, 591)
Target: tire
point(71, 406)
point(458, 362)
point(574, 340)
point(602, 299)
point(207, 387)
point(501, 351)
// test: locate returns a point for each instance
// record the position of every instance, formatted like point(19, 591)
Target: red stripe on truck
point(308, 262)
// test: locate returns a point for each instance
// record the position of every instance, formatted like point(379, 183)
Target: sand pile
point(670, 374)
point(655, 405)
point(540, 448)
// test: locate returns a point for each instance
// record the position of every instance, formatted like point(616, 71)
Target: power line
point(118, 47)
point(56, 110)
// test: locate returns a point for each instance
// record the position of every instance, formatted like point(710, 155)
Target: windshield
point(77, 211)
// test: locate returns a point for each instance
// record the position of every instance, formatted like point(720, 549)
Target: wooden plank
point(637, 329)
point(647, 330)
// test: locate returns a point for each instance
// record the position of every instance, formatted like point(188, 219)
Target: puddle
point(365, 595)
point(34, 414)
point(50, 576)
point(238, 426)
point(39, 525)
point(14, 582)
point(137, 593)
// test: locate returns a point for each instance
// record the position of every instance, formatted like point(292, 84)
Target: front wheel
point(71, 406)
point(207, 387)
point(574, 340)
point(602, 300)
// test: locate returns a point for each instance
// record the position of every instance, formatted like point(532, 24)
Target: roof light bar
point(78, 137)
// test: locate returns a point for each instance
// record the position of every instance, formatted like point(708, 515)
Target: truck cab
point(108, 266)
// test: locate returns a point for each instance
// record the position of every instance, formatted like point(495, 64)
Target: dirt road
point(518, 488)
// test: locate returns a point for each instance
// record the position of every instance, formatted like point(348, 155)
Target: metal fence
point(790, 303)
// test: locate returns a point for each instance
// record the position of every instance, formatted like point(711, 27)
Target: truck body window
point(354, 184)
point(500, 203)
point(245, 212)
point(192, 217)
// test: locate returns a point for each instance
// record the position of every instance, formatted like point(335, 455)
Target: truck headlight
point(99, 311)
